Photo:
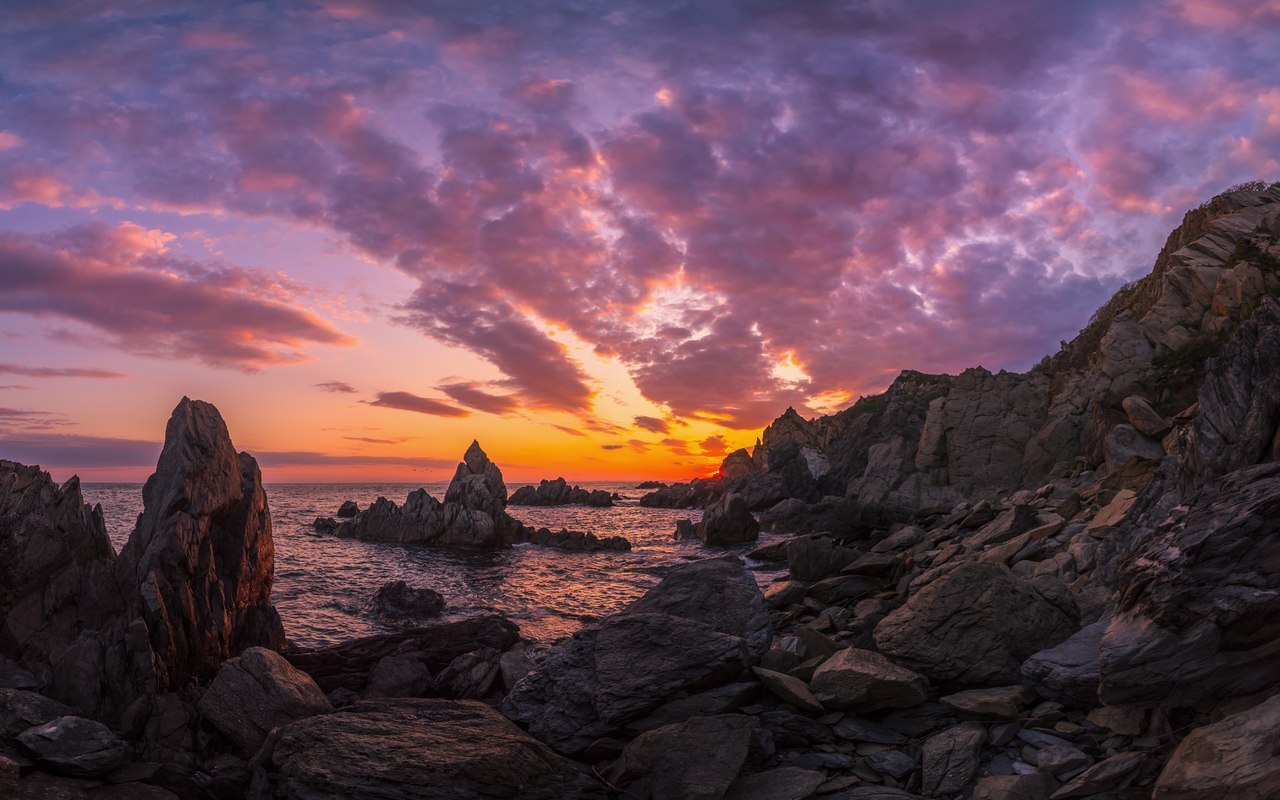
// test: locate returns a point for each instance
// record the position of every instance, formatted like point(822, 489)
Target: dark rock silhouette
point(559, 493)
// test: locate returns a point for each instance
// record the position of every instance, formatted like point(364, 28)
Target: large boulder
point(202, 553)
point(20, 709)
point(975, 624)
point(618, 671)
point(1198, 601)
point(75, 746)
point(257, 691)
point(728, 522)
point(1069, 671)
point(1234, 759)
point(718, 591)
point(416, 749)
point(399, 600)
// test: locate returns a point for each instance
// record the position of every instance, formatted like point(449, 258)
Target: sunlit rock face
point(191, 588)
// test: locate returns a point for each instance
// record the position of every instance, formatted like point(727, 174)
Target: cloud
point(612, 446)
point(123, 283)
point(336, 387)
point(58, 372)
point(371, 440)
point(568, 430)
point(747, 205)
point(405, 401)
point(652, 424)
point(468, 394)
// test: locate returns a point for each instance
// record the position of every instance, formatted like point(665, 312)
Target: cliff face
point(930, 441)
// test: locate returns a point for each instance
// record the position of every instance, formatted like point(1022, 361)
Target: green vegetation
point(1179, 373)
point(1251, 250)
point(870, 404)
point(1074, 355)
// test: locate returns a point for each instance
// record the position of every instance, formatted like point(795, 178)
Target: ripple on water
point(322, 583)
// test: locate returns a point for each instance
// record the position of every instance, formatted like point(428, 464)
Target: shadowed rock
point(255, 692)
point(559, 493)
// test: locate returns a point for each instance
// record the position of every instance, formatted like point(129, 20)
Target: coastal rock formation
point(574, 541)
point(415, 749)
point(694, 494)
point(727, 522)
point(202, 553)
point(255, 692)
point(558, 493)
point(1234, 759)
point(75, 746)
point(191, 587)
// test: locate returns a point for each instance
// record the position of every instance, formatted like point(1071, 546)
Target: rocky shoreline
point(1061, 584)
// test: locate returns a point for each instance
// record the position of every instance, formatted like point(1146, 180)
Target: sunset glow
point(608, 241)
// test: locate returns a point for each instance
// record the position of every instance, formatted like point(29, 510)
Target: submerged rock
point(399, 600)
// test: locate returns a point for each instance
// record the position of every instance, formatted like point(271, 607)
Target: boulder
point(1111, 775)
point(1001, 702)
point(398, 676)
point(863, 680)
point(347, 510)
point(1145, 418)
point(1068, 672)
point(255, 692)
point(789, 690)
point(699, 759)
point(728, 522)
point(399, 600)
point(575, 541)
point(347, 665)
point(975, 624)
point(1198, 603)
point(812, 558)
point(416, 748)
point(1234, 759)
point(1125, 443)
point(1036, 786)
point(75, 746)
point(780, 783)
point(718, 591)
point(949, 759)
point(20, 709)
point(619, 671)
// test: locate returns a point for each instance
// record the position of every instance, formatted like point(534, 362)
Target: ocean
point(323, 583)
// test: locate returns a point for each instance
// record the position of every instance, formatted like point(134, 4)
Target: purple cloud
point(405, 401)
point(336, 387)
point(58, 372)
point(468, 394)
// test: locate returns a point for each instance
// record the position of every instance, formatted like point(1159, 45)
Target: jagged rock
point(514, 665)
point(470, 676)
point(950, 759)
point(697, 493)
point(894, 763)
point(718, 591)
point(472, 515)
point(1240, 401)
point(785, 593)
point(416, 748)
point(1112, 514)
point(575, 541)
point(727, 522)
point(780, 783)
point(1234, 759)
point(1145, 418)
point(347, 665)
point(75, 746)
point(617, 672)
point(699, 759)
point(711, 702)
point(736, 465)
point(1125, 443)
point(256, 691)
point(347, 510)
point(399, 600)
point(559, 493)
point(202, 551)
point(975, 624)
point(1111, 775)
point(1069, 671)
point(1198, 603)
point(788, 471)
point(863, 680)
point(1061, 760)
point(1006, 525)
point(325, 525)
point(812, 558)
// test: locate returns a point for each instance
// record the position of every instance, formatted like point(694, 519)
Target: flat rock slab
point(75, 746)
point(789, 690)
point(950, 759)
point(696, 760)
point(21, 709)
point(1000, 702)
point(783, 783)
point(417, 749)
point(1111, 775)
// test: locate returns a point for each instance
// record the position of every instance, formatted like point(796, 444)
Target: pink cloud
point(406, 401)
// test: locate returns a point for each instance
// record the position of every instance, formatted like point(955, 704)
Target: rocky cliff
point(930, 441)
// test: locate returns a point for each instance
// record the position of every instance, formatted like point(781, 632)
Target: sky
point(609, 240)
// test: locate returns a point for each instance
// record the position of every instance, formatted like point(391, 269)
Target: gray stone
point(699, 759)
point(863, 680)
point(1111, 775)
point(781, 783)
point(950, 759)
point(1234, 759)
point(257, 691)
point(1125, 443)
point(398, 676)
point(75, 746)
point(789, 690)
point(1069, 671)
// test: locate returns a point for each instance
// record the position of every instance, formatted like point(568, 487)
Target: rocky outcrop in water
point(574, 541)
point(399, 600)
point(559, 493)
point(727, 522)
point(472, 515)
